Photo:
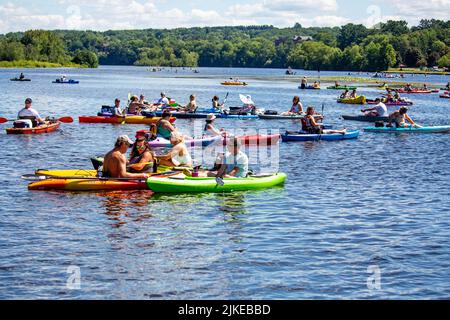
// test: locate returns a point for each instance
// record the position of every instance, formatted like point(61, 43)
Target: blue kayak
point(66, 82)
point(316, 137)
point(410, 129)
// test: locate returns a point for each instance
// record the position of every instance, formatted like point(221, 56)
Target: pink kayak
point(395, 104)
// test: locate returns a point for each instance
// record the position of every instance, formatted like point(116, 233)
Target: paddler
point(209, 129)
point(117, 112)
point(379, 110)
point(135, 106)
point(191, 107)
point(163, 126)
point(304, 83)
point(297, 107)
point(142, 157)
point(309, 124)
point(22, 76)
point(216, 104)
point(345, 94)
point(115, 162)
point(29, 113)
point(234, 163)
point(400, 117)
point(353, 95)
point(163, 101)
point(179, 155)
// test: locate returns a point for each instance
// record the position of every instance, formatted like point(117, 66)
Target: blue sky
point(139, 14)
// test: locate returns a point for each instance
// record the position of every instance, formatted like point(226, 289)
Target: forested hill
point(350, 47)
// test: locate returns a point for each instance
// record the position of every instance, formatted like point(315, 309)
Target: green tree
point(86, 58)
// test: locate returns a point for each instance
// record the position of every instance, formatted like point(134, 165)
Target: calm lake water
point(377, 203)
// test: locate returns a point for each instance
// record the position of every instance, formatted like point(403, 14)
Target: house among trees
point(299, 39)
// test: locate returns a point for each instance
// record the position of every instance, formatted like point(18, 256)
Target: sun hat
point(210, 117)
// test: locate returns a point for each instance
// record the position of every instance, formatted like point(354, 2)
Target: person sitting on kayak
point(379, 110)
point(191, 107)
point(29, 113)
point(400, 117)
point(234, 163)
point(447, 87)
point(425, 87)
point(304, 83)
point(389, 98)
point(296, 109)
point(408, 87)
point(215, 103)
point(316, 84)
point(397, 97)
point(309, 124)
point(115, 163)
point(163, 101)
point(142, 157)
point(345, 95)
point(179, 155)
point(163, 126)
point(336, 84)
point(135, 106)
point(142, 100)
point(22, 76)
point(117, 111)
point(209, 129)
point(353, 95)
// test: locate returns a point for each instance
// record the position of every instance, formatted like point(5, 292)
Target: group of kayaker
point(347, 95)
point(304, 84)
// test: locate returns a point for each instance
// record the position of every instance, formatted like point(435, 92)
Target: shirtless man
point(115, 162)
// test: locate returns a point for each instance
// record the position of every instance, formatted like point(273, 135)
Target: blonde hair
point(176, 136)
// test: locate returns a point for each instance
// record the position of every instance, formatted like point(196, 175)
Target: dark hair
point(309, 109)
point(166, 113)
point(215, 98)
point(403, 110)
point(117, 100)
point(134, 152)
point(296, 98)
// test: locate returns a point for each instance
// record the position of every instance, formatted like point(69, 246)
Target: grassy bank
point(417, 71)
point(36, 64)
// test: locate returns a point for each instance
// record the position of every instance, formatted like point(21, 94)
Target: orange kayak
point(88, 184)
point(45, 128)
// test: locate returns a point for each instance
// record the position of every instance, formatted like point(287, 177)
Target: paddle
point(63, 120)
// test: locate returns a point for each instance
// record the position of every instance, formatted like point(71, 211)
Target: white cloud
point(415, 10)
point(138, 14)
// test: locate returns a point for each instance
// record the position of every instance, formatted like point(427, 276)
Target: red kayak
point(119, 120)
point(45, 128)
point(414, 91)
point(259, 139)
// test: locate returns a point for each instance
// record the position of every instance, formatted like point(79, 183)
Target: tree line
point(351, 47)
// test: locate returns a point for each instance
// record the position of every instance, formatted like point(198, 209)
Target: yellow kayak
point(357, 100)
point(86, 172)
point(233, 83)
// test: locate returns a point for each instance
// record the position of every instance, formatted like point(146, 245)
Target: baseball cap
point(124, 138)
point(28, 100)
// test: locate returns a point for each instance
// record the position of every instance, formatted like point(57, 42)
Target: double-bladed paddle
point(63, 120)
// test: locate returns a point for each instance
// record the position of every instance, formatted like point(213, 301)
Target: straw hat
point(210, 117)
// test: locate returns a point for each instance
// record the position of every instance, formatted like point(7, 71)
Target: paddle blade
point(66, 119)
point(3, 120)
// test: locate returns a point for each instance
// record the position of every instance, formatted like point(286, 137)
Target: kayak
point(414, 91)
point(237, 116)
point(357, 100)
point(392, 104)
point(162, 142)
point(66, 82)
point(365, 118)
point(87, 184)
point(283, 117)
point(316, 137)
point(197, 185)
point(45, 128)
point(233, 83)
point(342, 88)
point(117, 120)
point(436, 129)
point(245, 140)
point(444, 96)
point(20, 80)
point(309, 88)
point(66, 173)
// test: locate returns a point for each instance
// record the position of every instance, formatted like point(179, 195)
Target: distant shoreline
point(28, 64)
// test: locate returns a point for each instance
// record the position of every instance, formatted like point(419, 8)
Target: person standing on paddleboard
point(115, 162)
point(29, 113)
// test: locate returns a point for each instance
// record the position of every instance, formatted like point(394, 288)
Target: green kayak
point(197, 185)
point(342, 88)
